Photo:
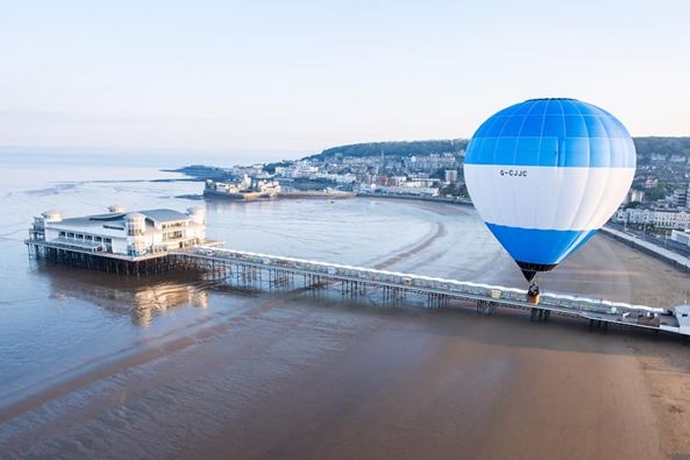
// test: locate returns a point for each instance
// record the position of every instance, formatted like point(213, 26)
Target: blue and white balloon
point(545, 174)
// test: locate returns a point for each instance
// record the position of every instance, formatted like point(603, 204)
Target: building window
point(176, 235)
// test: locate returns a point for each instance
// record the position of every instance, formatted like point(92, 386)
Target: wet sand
point(291, 377)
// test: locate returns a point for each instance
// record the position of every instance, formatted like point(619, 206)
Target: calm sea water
point(57, 321)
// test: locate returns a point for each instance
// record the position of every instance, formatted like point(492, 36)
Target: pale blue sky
point(306, 75)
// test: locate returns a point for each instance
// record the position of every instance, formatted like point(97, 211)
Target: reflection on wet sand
point(142, 299)
point(161, 297)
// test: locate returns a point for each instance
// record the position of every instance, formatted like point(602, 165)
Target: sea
point(59, 323)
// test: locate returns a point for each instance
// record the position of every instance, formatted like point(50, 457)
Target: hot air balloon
point(545, 174)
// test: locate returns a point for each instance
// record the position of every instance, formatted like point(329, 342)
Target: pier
point(270, 273)
point(264, 272)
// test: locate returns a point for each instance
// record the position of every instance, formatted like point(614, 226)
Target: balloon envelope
point(545, 174)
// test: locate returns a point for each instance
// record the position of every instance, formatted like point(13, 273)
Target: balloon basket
point(533, 299)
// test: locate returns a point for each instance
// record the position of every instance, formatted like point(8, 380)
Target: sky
point(301, 76)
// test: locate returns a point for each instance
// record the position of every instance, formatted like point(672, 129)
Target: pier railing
point(256, 270)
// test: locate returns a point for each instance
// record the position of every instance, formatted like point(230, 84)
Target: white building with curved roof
point(131, 234)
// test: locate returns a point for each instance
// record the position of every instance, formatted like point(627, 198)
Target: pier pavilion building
point(127, 234)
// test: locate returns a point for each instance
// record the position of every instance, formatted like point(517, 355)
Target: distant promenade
point(678, 261)
point(431, 199)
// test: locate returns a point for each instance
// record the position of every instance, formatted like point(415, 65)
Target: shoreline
point(307, 194)
point(459, 201)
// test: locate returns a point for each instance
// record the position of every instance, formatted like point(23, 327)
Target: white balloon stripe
point(566, 198)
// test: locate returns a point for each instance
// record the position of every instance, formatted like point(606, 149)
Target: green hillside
point(645, 146)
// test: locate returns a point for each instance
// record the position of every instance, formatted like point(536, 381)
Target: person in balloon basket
point(533, 293)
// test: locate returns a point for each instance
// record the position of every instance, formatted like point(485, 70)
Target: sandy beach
point(287, 376)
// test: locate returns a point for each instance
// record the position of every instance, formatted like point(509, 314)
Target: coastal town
point(656, 208)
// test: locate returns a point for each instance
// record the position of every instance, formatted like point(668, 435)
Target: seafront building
point(668, 219)
point(128, 235)
point(682, 237)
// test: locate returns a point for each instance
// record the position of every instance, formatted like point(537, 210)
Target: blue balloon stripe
point(539, 246)
point(580, 152)
point(552, 132)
